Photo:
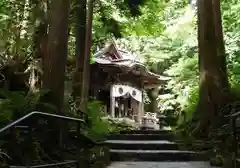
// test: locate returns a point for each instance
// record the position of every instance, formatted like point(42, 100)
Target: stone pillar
point(153, 97)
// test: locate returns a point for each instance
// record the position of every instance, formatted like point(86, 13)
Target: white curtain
point(125, 90)
point(119, 90)
point(136, 94)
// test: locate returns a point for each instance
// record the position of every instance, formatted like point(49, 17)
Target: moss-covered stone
point(217, 161)
point(98, 157)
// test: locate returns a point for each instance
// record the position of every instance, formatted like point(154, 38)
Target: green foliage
point(174, 53)
point(100, 124)
point(117, 125)
point(166, 42)
point(230, 10)
point(15, 104)
point(99, 127)
point(150, 22)
point(113, 18)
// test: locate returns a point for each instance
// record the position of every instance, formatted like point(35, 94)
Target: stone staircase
point(149, 146)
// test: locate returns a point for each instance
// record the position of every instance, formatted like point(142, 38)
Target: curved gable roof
point(111, 56)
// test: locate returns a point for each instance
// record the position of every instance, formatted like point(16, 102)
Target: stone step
point(142, 137)
point(160, 165)
point(145, 132)
point(142, 145)
point(156, 155)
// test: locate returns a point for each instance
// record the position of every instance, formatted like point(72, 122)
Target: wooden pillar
point(125, 107)
point(120, 108)
point(96, 92)
point(141, 110)
point(112, 103)
point(126, 112)
point(134, 110)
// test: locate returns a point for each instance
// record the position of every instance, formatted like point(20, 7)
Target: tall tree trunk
point(87, 54)
point(213, 77)
point(220, 40)
point(80, 51)
point(83, 53)
point(54, 70)
point(40, 35)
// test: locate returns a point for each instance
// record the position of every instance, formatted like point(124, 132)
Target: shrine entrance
point(118, 79)
point(126, 101)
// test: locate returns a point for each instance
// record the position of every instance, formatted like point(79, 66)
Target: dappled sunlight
point(183, 26)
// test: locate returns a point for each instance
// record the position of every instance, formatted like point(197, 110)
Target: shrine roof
point(111, 56)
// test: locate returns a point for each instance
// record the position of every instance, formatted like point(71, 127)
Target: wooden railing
point(58, 138)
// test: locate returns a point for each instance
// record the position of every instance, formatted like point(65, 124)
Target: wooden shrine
point(118, 80)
